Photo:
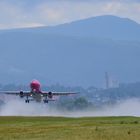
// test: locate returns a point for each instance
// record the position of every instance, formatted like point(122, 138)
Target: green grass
point(59, 128)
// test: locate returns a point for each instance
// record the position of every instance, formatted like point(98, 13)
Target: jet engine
point(21, 94)
point(50, 95)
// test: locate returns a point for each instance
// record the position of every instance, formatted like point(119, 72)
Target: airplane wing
point(63, 93)
point(59, 93)
point(16, 92)
point(47, 96)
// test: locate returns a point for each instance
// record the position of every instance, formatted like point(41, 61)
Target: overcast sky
point(31, 13)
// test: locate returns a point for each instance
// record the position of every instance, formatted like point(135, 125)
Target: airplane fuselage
point(35, 86)
point(36, 90)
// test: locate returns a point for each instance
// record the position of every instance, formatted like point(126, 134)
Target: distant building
point(107, 80)
point(110, 82)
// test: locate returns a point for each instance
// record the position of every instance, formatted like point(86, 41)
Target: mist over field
point(17, 107)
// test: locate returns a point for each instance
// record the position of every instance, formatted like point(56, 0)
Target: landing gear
point(27, 101)
point(45, 101)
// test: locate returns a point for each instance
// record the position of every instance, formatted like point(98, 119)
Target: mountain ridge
point(67, 58)
point(105, 27)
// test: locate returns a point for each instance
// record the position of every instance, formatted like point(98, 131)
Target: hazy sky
point(30, 13)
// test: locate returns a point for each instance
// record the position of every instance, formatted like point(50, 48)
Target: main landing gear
point(27, 101)
point(45, 101)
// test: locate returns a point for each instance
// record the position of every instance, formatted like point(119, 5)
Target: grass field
point(59, 128)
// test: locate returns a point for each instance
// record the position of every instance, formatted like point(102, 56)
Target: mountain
point(106, 27)
point(77, 53)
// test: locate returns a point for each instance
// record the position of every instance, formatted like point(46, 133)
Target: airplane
point(36, 94)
